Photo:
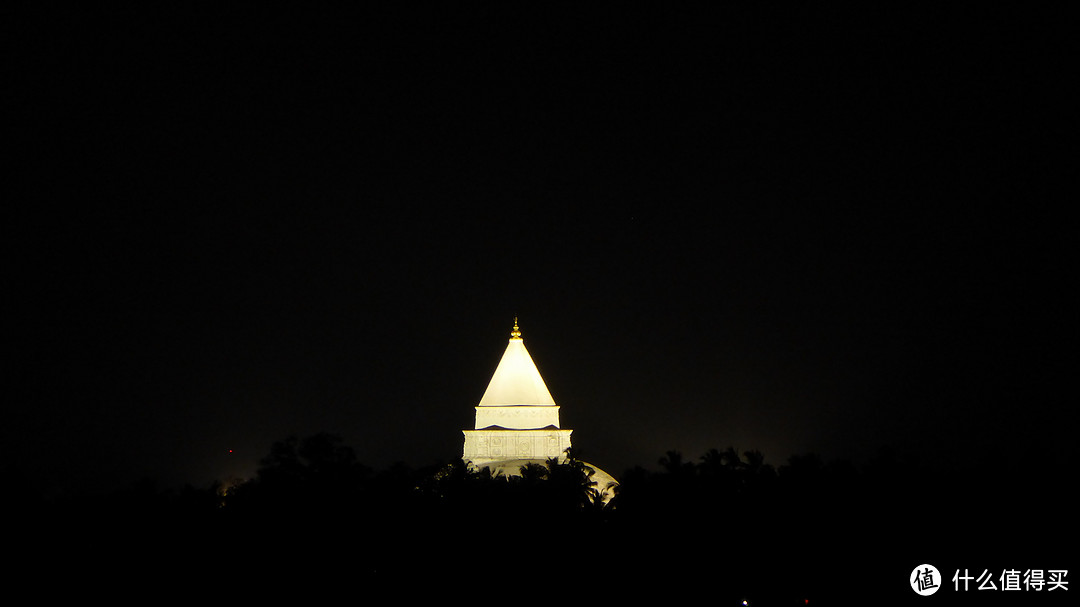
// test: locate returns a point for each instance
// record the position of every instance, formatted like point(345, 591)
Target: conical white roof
point(516, 380)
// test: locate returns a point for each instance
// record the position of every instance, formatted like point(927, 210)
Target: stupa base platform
point(492, 445)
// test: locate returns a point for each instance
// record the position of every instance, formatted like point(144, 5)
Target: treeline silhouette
point(727, 522)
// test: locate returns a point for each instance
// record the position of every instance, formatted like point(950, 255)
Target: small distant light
point(745, 603)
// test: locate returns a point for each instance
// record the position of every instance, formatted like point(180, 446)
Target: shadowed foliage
point(729, 518)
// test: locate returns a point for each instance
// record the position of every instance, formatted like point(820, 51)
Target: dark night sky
point(784, 231)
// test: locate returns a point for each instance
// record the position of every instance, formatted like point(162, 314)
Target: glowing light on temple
point(516, 417)
point(517, 420)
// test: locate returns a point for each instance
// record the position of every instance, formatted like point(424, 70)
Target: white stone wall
point(493, 445)
point(517, 418)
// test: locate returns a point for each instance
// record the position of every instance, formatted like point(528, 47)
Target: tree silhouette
point(728, 516)
point(672, 462)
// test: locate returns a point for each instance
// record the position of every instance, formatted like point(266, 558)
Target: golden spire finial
point(516, 333)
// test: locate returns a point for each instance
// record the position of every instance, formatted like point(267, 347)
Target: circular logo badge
point(925, 580)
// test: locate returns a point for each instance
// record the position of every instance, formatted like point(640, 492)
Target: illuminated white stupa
point(517, 421)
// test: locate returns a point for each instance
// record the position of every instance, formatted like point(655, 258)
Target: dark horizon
point(727, 527)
